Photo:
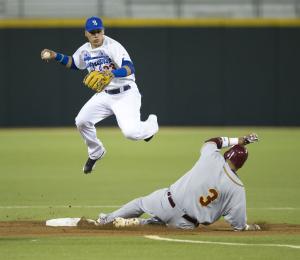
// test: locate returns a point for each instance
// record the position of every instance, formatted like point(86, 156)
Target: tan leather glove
point(98, 80)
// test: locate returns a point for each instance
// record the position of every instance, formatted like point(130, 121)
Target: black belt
point(172, 203)
point(190, 219)
point(185, 216)
point(117, 90)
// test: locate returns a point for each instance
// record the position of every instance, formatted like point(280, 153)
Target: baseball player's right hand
point(47, 54)
point(252, 227)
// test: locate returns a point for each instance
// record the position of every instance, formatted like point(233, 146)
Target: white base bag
point(62, 222)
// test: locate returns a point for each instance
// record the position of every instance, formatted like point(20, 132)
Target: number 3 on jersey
point(213, 194)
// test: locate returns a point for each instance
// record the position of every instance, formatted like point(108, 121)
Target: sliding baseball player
point(210, 190)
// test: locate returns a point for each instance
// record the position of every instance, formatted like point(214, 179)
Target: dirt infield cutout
point(38, 228)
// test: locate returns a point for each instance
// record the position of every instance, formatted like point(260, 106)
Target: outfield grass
point(41, 177)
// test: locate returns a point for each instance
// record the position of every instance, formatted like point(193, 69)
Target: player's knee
point(81, 122)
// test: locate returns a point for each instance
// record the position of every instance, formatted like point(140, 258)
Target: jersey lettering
point(99, 62)
point(204, 201)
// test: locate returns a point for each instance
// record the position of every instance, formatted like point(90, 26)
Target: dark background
point(187, 76)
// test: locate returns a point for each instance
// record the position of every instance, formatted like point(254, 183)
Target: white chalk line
point(218, 243)
point(114, 206)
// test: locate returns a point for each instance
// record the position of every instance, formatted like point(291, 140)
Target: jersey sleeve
point(208, 148)
point(236, 216)
point(78, 58)
point(119, 54)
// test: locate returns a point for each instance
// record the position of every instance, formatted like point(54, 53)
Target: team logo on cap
point(95, 22)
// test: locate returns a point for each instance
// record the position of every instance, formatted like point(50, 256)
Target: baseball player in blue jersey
point(210, 190)
point(111, 75)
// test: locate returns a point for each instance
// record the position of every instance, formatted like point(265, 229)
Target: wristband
point(61, 58)
point(233, 141)
point(226, 141)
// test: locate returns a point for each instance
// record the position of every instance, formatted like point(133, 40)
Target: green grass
point(82, 248)
point(42, 169)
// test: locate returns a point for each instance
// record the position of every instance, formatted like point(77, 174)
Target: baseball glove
point(98, 80)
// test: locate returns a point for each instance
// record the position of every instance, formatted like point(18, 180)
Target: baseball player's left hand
point(98, 80)
point(247, 139)
point(251, 138)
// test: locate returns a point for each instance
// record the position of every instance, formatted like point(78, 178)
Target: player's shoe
point(148, 139)
point(90, 163)
point(126, 222)
point(102, 219)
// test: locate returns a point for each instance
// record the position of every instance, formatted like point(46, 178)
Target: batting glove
point(251, 138)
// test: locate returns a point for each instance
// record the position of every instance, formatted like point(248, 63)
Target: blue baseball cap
point(93, 23)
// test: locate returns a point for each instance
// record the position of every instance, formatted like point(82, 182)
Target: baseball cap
point(93, 23)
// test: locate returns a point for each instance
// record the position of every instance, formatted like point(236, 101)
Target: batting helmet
point(237, 154)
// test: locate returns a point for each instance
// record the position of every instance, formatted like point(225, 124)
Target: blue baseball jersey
point(108, 56)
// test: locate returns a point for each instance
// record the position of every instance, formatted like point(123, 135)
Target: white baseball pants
point(125, 106)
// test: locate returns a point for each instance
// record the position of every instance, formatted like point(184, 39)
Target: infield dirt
point(38, 228)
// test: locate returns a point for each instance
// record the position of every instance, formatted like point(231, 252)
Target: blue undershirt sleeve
point(128, 64)
point(120, 73)
point(73, 65)
point(64, 59)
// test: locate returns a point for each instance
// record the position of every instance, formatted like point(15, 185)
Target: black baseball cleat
point(148, 139)
point(90, 164)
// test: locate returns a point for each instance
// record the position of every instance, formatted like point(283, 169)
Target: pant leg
point(95, 110)
point(157, 204)
point(132, 209)
point(154, 205)
point(127, 112)
point(177, 221)
point(149, 204)
point(152, 221)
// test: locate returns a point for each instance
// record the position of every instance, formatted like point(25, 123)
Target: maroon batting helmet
point(237, 154)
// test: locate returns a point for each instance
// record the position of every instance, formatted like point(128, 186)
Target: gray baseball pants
point(156, 205)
